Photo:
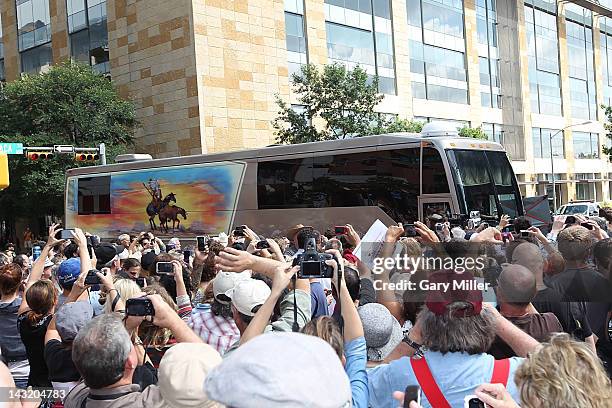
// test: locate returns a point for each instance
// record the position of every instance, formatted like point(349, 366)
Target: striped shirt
point(218, 331)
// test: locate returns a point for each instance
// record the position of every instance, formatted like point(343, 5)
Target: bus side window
point(284, 184)
point(398, 183)
point(345, 180)
point(94, 195)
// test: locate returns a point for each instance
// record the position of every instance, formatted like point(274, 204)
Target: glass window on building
point(295, 34)
point(541, 143)
point(581, 71)
point(437, 50)
point(606, 58)
point(585, 191)
point(486, 24)
point(33, 30)
point(586, 145)
point(543, 53)
point(494, 132)
point(88, 33)
point(360, 32)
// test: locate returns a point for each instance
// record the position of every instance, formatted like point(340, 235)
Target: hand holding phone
point(412, 393)
point(139, 307)
point(263, 244)
point(202, 242)
point(472, 401)
point(92, 278)
point(164, 268)
point(65, 234)
point(239, 231)
point(340, 230)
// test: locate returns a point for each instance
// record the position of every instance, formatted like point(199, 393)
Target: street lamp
point(552, 162)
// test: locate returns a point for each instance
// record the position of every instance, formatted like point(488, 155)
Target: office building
point(204, 73)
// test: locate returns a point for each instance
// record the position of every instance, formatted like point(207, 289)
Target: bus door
point(430, 204)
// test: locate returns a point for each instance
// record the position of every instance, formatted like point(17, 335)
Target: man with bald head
point(571, 315)
point(515, 291)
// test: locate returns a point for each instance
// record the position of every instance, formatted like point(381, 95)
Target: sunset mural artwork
point(199, 199)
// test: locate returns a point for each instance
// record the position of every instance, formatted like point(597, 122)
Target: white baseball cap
point(248, 294)
point(224, 284)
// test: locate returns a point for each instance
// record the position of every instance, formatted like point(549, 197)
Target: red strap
point(428, 383)
point(501, 372)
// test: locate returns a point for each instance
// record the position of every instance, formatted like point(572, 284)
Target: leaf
point(69, 104)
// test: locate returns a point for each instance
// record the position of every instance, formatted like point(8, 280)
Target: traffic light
point(86, 157)
point(4, 171)
point(39, 155)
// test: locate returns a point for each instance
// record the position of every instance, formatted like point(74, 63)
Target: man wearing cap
point(67, 273)
point(107, 256)
point(450, 339)
point(214, 322)
point(61, 332)
point(105, 357)
point(249, 295)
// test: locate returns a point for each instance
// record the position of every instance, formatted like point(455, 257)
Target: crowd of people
point(302, 318)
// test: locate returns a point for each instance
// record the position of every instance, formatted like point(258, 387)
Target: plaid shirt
point(217, 331)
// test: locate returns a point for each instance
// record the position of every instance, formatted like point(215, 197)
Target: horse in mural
point(156, 206)
point(171, 213)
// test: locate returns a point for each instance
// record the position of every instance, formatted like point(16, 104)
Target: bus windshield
point(485, 182)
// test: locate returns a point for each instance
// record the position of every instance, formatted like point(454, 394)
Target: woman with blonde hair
point(127, 289)
point(560, 374)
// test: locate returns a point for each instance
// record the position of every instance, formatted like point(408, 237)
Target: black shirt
point(571, 315)
point(59, 361)
point(33, 337)
point(582, 285)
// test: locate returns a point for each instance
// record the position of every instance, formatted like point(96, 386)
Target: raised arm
point(39, 265)
point(234, 260)
point(353, 328)
point(520, 342)
point(282, 277)
point(167, 318)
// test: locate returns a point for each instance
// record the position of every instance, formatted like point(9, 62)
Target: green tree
point(71, 105)
point(396, 125)
point(343, 99)
point(608, 126)
point(476, 133)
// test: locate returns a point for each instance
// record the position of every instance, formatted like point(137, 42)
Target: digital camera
point(312, 263)
point(139, 307)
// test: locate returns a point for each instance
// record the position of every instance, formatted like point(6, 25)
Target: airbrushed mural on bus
point(178, 201)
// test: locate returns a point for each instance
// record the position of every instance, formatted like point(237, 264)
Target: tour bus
point(398, 177)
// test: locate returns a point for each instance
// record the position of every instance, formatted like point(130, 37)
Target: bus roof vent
point(126, 158)
point(437, 128)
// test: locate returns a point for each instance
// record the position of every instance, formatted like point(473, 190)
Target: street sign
point(11, 148)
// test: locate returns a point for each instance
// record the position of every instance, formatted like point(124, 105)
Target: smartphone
point(36, 251)
point(65, 234)
point(139, 307)
point(340, 230)
point(570, 219)
point(263, 244)
point(92, 278)
point(524, 234)
point(410, 230)
point(239, 231)
point(587, 225)
point(140, 282)
point(472, 401)
point(186, 256)
point(202, 241)
point(412, 393)
point(93, 240)
point(164, 268)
